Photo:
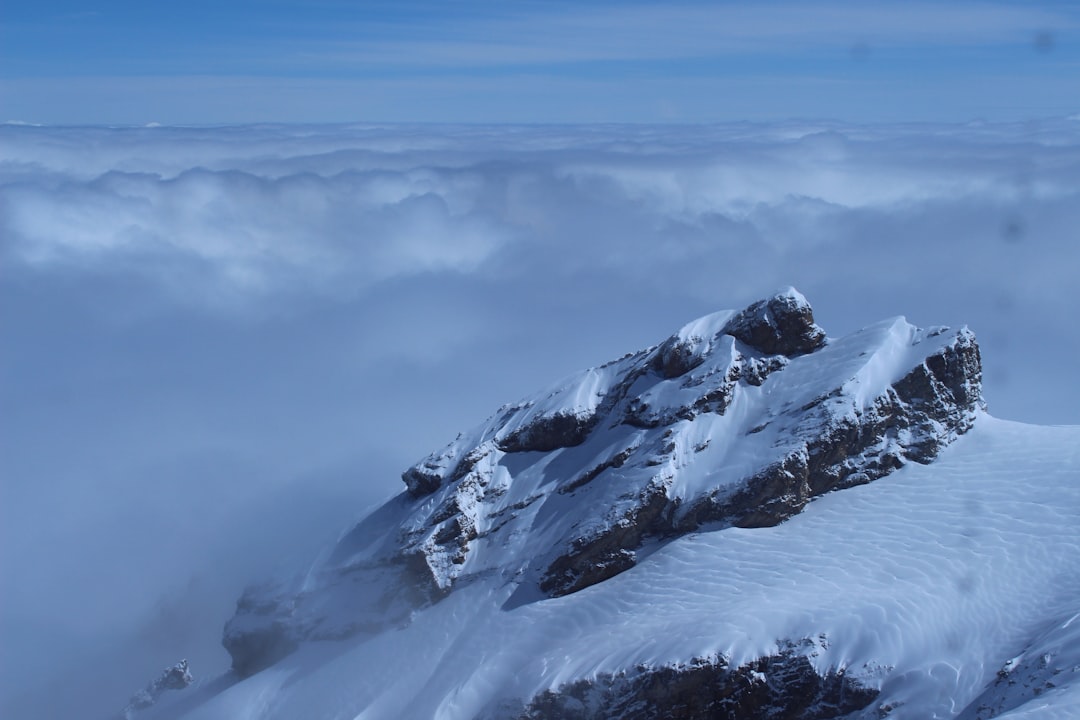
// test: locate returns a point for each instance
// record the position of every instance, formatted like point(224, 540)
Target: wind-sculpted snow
point(738, 419)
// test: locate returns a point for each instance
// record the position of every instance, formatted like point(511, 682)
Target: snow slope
point(951, 587)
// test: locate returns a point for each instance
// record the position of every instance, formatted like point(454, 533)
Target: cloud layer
point(328, 210)
point(222, 343)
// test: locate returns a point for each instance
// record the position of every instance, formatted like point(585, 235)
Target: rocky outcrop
point(781, 325)
point(176, 677)
point(784, 686)
point(550, 432)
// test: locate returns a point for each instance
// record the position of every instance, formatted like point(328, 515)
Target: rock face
point(738, 419)
point(783, 686)
point(782, 325)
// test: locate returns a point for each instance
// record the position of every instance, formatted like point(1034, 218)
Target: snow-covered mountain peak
point(738, 419)
point(659, 537)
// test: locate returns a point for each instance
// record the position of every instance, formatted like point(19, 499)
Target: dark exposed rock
point(175, 677)
point(783, 686)
point(550, 432)
point(944, 389)
point(455, 533)
point(421, 481)
point(781, 325)
point(678, 356)
point(425, 478)
point(596, 558)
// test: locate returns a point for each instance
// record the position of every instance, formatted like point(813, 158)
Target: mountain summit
point(632, 543)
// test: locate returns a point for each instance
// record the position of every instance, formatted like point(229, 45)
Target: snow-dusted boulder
point(175, 677)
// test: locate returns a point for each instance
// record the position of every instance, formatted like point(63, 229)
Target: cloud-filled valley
point(221, 344)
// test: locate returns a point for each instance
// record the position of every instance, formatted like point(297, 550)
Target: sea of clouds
point(222, 344)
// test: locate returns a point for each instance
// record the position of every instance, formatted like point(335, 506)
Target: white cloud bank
point(262, 210)
point(219, 343)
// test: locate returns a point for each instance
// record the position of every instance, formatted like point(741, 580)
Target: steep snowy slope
point(639, 541)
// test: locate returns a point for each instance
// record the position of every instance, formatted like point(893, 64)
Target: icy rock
point(176, 677)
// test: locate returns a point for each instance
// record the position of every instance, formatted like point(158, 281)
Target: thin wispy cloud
point(542, 62)
point(562, 33)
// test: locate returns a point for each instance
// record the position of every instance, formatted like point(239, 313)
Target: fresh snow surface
point(926, 583)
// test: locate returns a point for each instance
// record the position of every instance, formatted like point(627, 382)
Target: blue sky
point(245, 61)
